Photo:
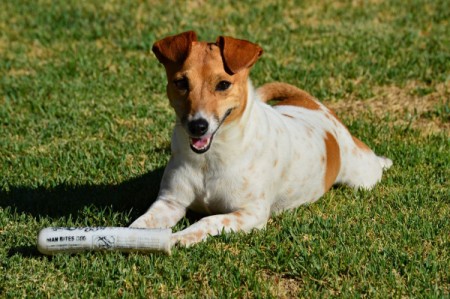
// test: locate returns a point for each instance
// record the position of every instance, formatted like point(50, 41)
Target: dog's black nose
point(198, 127)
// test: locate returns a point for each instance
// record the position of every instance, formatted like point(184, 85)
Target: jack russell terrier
point(237, 158)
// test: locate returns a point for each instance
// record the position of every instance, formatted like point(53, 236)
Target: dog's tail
point(385, 163)
point(278, 91)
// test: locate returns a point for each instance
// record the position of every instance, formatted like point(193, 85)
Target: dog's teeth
point(200, 143)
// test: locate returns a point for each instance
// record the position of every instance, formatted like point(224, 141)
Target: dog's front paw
point(141, 222)
point(188, 239)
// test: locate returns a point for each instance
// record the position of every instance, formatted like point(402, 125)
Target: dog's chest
point(223, 187)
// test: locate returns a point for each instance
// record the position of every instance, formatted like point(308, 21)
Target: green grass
point(85, 129)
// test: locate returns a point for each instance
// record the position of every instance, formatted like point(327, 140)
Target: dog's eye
point(182, 84)
point(223, 85)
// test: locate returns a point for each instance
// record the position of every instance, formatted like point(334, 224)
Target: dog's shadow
point(134, 195)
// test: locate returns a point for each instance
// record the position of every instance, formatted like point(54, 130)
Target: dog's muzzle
point(199, 138)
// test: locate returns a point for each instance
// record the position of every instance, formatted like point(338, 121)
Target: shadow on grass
point(134, 195)
point(26, 251)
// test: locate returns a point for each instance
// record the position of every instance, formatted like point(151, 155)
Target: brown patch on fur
point(287, 95)
point(226, 221)
point(299, 102)
point(242, 90)
point(333, 160)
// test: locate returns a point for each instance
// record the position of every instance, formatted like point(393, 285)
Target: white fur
point(262, 163)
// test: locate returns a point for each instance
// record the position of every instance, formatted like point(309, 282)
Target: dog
point(238, 159)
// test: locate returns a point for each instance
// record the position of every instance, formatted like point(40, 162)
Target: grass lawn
point(85, 129)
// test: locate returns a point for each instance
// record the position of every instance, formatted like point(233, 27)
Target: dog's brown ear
point(238, 54)
point(174, 48)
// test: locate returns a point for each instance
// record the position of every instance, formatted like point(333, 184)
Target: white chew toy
point(52, 240)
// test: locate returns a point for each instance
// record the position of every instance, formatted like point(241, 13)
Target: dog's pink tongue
point(200, 142)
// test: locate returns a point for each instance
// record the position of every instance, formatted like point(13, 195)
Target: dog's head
point(207, 82)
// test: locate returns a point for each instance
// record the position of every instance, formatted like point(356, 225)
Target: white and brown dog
point(237, 158)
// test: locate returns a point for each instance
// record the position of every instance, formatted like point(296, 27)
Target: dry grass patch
point(428, 113)
point(282, 286)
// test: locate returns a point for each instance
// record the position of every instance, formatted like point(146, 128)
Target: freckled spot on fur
point(275, 162)
point(226, 221)
point(237, 214)
point(244, 183)
point(287, 115)
point(198, 234)
point(333, 160)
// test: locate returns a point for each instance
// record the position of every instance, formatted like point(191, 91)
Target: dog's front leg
point(162, 214)
point(240, 220)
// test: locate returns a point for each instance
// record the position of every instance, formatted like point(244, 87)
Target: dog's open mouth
point(201, 144)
